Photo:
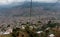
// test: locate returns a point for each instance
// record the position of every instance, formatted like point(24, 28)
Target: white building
point(51, 35)
point(23, 27)
point(38, 32)
point(31, 27)
point(8, 31)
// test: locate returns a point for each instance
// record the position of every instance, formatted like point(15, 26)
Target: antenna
point(30, 8)
point(30, 11)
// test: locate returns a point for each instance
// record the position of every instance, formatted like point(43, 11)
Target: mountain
point(38, 9)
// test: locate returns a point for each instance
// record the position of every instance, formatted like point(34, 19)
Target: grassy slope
point(6, 35)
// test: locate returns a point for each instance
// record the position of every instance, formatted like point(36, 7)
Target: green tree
point(15, 32)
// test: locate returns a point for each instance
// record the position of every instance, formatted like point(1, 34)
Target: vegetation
point(9, 35)
point(31, 29)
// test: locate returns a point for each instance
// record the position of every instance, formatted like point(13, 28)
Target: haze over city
point(12, 1)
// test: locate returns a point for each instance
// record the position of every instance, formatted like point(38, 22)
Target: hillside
point(37, 9)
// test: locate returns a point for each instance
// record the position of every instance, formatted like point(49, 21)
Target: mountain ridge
point(37, 9)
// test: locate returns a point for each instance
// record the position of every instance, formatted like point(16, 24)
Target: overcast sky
point(11, 1)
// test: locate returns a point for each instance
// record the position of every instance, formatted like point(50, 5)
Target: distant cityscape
point(38, 18)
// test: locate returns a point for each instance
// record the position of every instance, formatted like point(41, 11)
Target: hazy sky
point(11, 1)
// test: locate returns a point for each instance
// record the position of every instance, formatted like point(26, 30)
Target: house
point(51, 35)
point(8, 31)
point(38, 32)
